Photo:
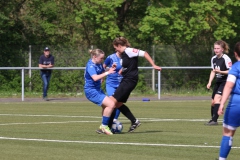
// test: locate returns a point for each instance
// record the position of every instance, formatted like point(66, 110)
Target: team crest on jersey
point(229, 64)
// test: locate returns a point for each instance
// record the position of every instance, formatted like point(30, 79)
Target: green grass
point(66, 131)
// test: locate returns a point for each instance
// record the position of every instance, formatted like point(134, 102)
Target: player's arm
point(211, 77)
point(97, 77)
point(231, 80)
point(221, 72)
point(149, 59)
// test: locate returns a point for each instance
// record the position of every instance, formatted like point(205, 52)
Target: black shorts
point(124, 90)
point(218, 88)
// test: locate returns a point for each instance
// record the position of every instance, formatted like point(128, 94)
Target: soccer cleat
point(99, 131)
point(211, 123)
point(134, 126)
point(105, 130)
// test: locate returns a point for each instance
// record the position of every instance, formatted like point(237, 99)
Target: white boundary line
point(8, 124)
point(130, 101)
point(111, 143)
point(96, 117)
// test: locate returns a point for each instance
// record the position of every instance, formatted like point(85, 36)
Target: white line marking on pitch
point(8, 124)
point(66, 116)
point(112, 143)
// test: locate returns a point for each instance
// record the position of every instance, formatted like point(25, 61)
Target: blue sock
point(117, 113)
point(105, 120)
point(225, 147)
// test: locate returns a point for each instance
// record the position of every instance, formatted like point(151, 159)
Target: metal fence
point(156, 76)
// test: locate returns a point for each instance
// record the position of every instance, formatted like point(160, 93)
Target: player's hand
point(157, 68)
point(208, 85)
point(217, 70)
point(221, 110)
point(111, 70)
point(114, 65)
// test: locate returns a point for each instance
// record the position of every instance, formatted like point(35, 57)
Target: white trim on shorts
point(229, 127)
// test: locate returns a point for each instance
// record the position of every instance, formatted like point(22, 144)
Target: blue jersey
point(115, 78)
point(92, 69)
point(235, 70)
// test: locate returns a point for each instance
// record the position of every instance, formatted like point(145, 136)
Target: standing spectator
point(46, 61)
point(231, 119)
point(113, 80)
point(220, 65)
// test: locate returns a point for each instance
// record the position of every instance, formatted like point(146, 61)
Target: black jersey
point(223, 63)
point(129, 62)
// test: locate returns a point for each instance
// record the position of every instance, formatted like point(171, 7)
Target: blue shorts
point(110, 90)
point(232, 114)
point(95, 96)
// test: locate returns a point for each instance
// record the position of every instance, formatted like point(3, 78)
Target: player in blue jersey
point(93, 75)
point(46, 61)
point(113, 80)
point(129, 63)
point(220, 65)
point(231, 119)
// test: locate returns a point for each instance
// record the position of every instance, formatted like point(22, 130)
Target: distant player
point(231, 119)
point(220, 65)
point(113, 80)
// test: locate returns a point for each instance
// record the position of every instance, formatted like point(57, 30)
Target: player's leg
point(115, 114)
point(226, 143)
point(98, 97)
point(108, 107)
point(120, 96)
point(217, 100)
point(231, 122)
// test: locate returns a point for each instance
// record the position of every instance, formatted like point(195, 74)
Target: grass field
point(66, 131)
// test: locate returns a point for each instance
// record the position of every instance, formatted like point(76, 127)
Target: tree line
point(182, 31)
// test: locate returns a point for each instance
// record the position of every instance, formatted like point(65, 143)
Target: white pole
point(23, 84)
point(30, 65)
point(153, 70)
point(159, 85)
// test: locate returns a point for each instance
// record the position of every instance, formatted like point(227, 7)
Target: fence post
point(159, 85)
point(22, 84)
point(30, 65)
point(153, 70)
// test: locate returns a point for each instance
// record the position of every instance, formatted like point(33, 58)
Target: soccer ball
point(117, 127)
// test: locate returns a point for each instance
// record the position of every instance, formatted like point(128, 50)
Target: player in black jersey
point(220, 65)
point(129, 62)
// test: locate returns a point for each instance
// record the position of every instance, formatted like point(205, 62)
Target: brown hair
point(121, 41)
point(237, 48)
point(223, 44)
point(96, 52)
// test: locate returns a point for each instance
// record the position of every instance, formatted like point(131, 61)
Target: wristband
point(106, 73)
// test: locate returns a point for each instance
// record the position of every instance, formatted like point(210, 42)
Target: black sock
point(111, 119)
point(215, 112)
point(212, 109)
point(127, 113)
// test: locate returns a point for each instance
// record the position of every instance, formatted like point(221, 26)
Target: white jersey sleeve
point(228, 61)
point(212, 62)
point(231, 78)
point(132, 52)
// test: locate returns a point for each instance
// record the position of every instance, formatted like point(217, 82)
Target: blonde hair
point(223, 44)
point(121, 41)
point(95, 52)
